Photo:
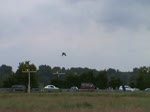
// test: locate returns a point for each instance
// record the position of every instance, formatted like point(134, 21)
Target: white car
point(51, 87)
point(127, 88)
point(74, 88)
point(147, 89)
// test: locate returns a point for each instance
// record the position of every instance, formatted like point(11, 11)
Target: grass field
point(75, 102)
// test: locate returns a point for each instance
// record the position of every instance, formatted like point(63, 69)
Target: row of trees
point(139, 77)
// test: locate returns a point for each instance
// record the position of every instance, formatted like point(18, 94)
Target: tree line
point(65, 78)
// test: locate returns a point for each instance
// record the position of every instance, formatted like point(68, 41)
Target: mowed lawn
point(75, 102)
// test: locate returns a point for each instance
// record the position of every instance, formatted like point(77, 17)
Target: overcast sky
point(98, 34)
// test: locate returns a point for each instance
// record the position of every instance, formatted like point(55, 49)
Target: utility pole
point(28, 71)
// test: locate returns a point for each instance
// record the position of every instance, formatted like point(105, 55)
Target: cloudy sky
point(98, 34)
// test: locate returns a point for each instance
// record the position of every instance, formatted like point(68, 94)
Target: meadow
point(103, 101)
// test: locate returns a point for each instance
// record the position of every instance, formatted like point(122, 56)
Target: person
point(123, 87)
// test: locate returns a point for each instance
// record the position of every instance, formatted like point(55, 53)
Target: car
point(147, 89)
point(136, 89)
point(35, 89)
point(88, 86)
point(51, 87)
point(126, 88)
point(18, 88)
point(74, 88)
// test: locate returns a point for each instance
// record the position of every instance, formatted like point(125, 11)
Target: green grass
point(75, 102)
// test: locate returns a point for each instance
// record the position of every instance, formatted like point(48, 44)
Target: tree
point(140, 82)
point(101, 79)
point(44, 73)
point(87, 77)
point(58, 82)
point(143, 78)
point(114, 82)
point(11, 80)
point(56, 69)
point(23, 77)
point(5, 72)
point(72, 80)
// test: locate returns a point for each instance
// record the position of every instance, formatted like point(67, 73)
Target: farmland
point(103, 101)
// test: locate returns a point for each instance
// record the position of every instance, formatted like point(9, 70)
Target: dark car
point(35, 89)
point(18, 88)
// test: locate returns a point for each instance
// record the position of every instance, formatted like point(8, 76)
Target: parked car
point(87, 86)
point(136, 89)
point(51, 87)
point(126, 88)
point(35, 89)
point(18, 88)
point(74, 88)
point(147, 89)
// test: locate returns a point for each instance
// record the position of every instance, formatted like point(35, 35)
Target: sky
point(98, 34)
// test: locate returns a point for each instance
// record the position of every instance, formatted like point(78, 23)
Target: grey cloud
point(128, 14)
point(77, 13)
